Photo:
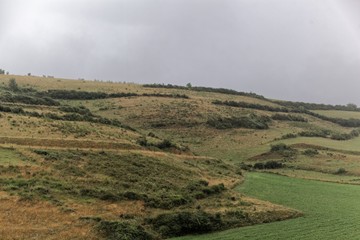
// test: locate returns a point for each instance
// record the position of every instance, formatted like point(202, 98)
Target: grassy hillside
point(121, 160)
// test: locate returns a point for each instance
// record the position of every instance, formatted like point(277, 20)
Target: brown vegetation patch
point(263, 212)
point(39, 220)
point(266, 156)
point(66, 143)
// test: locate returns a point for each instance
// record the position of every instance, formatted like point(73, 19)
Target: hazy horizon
point(301, 50)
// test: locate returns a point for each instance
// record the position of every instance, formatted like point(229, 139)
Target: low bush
point(341, 171)
point(105, 195)
point(288, 117)
point(17, 110)
point(269, 165)
point(311, 152)
point(205, 89)
point(84, 95)
point(341, 136)
point(79, 110)
point(26, 99)
point(251, 121)
point(280, 147)
point(201, 189)
point(283, 150)
point(183, 223)
point(289, 135)
point(114, 230)
point(163, 145)
point(167, 201)
point(323, 133)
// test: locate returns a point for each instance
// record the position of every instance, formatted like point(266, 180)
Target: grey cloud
point(301, 49)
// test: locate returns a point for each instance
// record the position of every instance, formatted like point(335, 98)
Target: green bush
point(341, 136)
point(201, 189)
point(250, 105)
point(283, 150)
point(311, 152)
point(79, 110)
point(84, 95)
point(323, 133)
point(183, 223)
point(205, 89)
point(28, 99)
point(269, 165)
point(167, 201)
point(280, 147)
point(288, 117)
point(165, 144)
point(113, 230)
point(341, 171)
point(289, 135)
point(13, 86)
point(251, 121)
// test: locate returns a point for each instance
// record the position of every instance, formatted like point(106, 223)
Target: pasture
point(331, 211)
point(339, 114)
point(348, 145)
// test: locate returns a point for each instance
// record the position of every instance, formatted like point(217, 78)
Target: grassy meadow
point(339, 114)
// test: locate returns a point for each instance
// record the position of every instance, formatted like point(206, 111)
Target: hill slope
point(114, 158)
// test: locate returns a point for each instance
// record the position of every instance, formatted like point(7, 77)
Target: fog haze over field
point(305, 50)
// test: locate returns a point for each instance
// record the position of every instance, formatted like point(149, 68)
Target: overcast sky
point(306, 50)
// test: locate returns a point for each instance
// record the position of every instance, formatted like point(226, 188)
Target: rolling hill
point(102, 160)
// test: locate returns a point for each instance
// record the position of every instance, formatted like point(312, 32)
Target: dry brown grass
point(40, 220)
point(65, 143)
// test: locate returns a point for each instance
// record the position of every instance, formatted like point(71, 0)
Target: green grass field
point(339, 114)
point(331, 210)
point(9, 157)
point(347, 145)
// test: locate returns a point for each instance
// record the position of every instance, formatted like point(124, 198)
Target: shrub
point(133, 196)
point(280, 147)
point(341, 171)
point(142, 141)
point(341, 136)
point(250, 105)
point(205, 89)
point(13, 86)
point(288, 117)
point(182, 223)
point(269, 165)
point(289, 135)
point(28, 99)
point(324, 133)
point(201, 189)
point(41, 152)
point(283, 150)
point(355, 132)
point(165, 144)
point(311, 152)
point(251, 121)
point(167, 201)
point(113, 230)
point(79, 110)
point(100, 194)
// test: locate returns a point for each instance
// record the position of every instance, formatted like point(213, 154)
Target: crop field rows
point(331, 211)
